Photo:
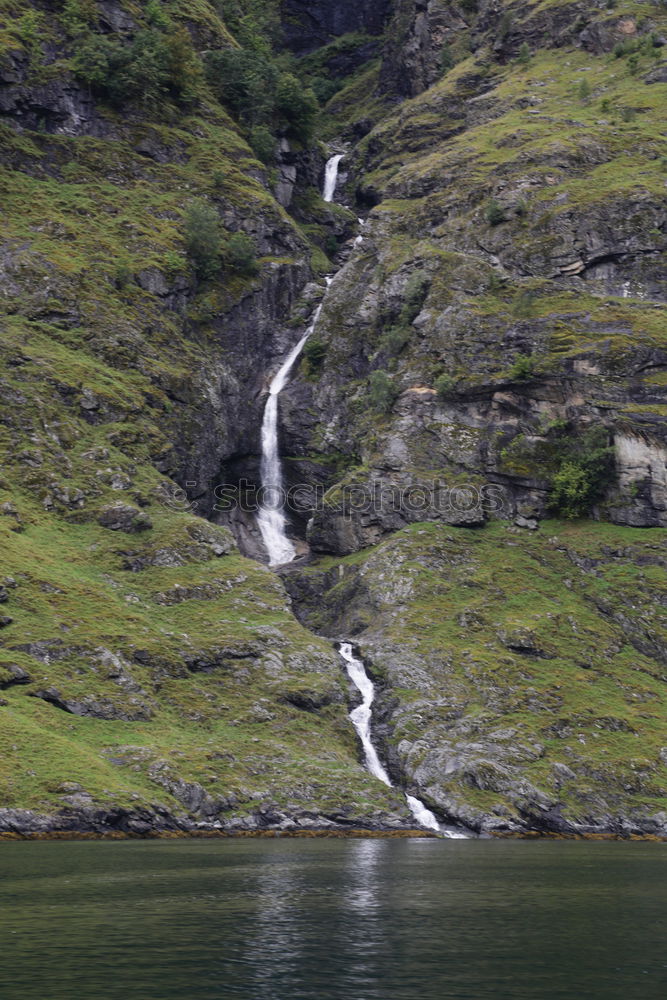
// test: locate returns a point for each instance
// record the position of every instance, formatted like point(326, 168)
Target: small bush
point(331, 246)
point(395, 339)
point(314, 353)
point(524, 54)
point(628, 114)
point(415, 294)
point(584, 90)
point(156, 15)
point(505, 26)
point(585, 471)
point(494, 213)
point(123, 275)
point(444, 386)
point(325, 88)
point(523, 367)
point(218, 178)
point(382, 391)
point(202, 238)
point(263, 144)
point(298, 107)
point(446, 59)
point(240, 254)
point(174, 263)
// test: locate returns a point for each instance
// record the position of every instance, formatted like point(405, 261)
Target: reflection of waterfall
point(271, 518)
point(361, 719)
point(331, 177)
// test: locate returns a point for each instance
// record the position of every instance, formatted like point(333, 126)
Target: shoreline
point(360, 834)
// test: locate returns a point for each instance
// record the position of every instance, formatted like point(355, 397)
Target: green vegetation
point(382, 391)
point(314, 353)
point(586, 468)
point(444, 386)
point(537, 648)
point(202, 238)
point(260, 95)
point(578, 462)
point(494, 213)
point(154, 65)
point(240, 254)
point(523, 367)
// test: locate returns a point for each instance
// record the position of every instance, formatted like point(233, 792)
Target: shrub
point(77, 15)
point(263, 144)
point(240, 254)
point(446, 59)
point(395, 339)
point(218, 178)
point(123, 275)
point(628, 114)
point(331, 245)
point(325, 88)
point(202, 238)
point(524, 54)
point(382, 391)
point(314, 353)
point(156, 14)
point(297, 106)
point(444, 386)
point(570, 490)
point(584, 90)
point(505, 26)
point(152, 66)
point(494, 213)
point(523, 367)
point(415, 294)
point(585, 470)
point(244, 81)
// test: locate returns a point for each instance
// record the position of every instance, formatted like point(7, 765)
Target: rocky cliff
point(480, 412)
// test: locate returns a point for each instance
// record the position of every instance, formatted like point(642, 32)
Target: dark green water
point(318, 920)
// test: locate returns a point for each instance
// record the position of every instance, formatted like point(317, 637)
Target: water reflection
point(333, 920)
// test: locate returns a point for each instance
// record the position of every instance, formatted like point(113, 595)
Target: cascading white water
point(331, 177)
point(361, 720)
point(270, 517)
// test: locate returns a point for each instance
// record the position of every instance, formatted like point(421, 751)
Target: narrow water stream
point(272, 523)
point(271, 518)
point(361, 720)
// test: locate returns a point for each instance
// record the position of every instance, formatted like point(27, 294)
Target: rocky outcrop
point(309, 25)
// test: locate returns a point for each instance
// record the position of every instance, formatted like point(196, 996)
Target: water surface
point(329, 919)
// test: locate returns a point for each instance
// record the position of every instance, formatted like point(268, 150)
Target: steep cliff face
point(311, 25)
point(511, 276)
point(491, 352)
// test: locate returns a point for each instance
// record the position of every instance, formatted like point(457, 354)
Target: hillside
point(482, 407)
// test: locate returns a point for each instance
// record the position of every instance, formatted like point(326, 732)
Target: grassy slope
point(92, 369)
point(79, 214)
point(553, 641)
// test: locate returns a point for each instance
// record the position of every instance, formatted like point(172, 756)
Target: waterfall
point(331, 177)
point(271, 518)
point(361, 720)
